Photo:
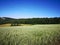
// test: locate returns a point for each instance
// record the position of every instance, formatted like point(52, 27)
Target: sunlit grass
point(30, 35)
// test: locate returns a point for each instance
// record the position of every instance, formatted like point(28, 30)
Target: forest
point(7, 20)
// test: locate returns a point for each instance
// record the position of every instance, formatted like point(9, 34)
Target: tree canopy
point(55, 20)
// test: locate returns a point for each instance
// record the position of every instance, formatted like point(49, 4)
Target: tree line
point(55, 20)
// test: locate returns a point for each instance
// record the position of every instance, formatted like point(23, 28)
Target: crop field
point(44, 34)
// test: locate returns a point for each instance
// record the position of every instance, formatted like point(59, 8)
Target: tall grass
point(30, 35)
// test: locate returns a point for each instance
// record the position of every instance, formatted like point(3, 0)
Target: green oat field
point(44, 34)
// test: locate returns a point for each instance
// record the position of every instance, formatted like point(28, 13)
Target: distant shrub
point(14, 24)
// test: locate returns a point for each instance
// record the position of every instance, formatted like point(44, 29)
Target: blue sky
point(29, 8)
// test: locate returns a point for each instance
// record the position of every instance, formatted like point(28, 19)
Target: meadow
point(44, 34)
